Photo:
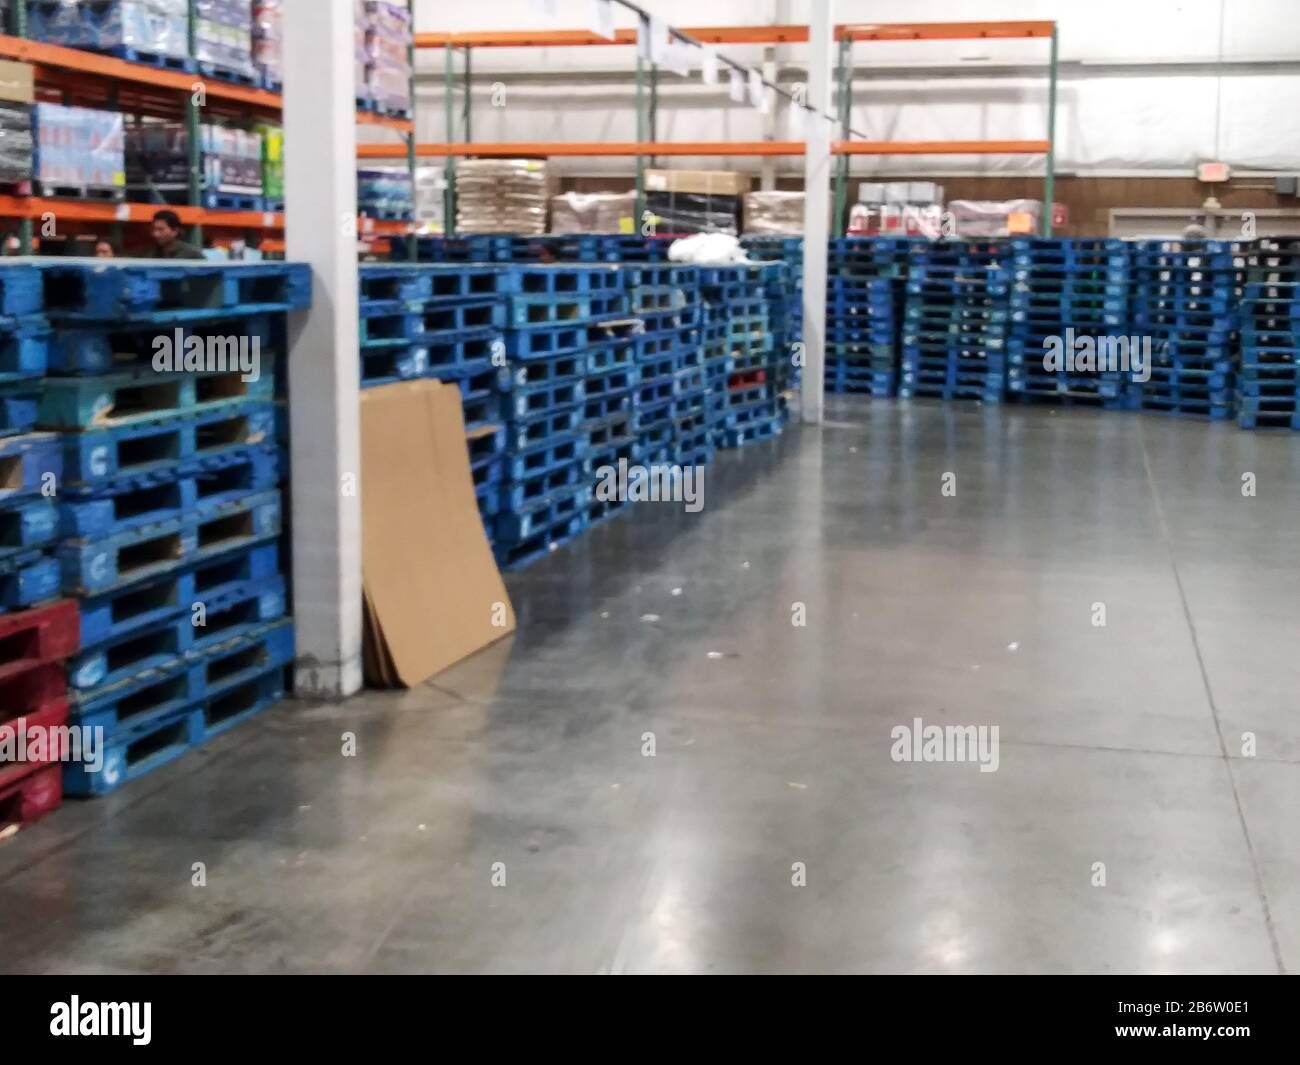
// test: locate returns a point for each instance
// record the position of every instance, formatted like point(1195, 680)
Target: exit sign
point(1212, 173)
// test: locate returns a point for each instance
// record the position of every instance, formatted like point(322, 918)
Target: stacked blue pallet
point(1268, 382)
point(170, 504)
point(625, 248)
point(785, 299)
point(955, 325)
point(444, 321)
point(30, 463)
point(668, 400)
point(555, 315)
point(1185, 300)
point(866, 286)
point(743, 363)
point(608, 419)
point(1066, 290)
point(719, 365)
point(503, 248)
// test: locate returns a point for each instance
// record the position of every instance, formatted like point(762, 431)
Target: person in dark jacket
point(167, 243)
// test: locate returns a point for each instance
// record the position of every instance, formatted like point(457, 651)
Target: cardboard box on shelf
point(774, 213)
point(700, 182)
point(995, 218)
point(593, 212)
point(871, 192)
point(924, 192)
point(17, 84)
point(432, 588)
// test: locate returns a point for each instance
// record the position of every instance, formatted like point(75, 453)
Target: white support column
point(816, 227)
point(321, 198)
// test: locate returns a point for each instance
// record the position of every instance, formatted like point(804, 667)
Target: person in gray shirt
point(167, 243)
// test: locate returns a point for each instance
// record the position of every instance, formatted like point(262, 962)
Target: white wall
point(1146, 85)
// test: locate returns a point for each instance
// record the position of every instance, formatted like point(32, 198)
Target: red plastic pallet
point(746, 379)
point(31, 798)
point(34, 699)
point(35, 637)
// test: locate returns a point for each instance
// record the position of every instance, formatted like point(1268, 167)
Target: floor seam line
point(1214, 709)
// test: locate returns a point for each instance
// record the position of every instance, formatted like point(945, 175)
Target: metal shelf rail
point(647, 147)
point(69, 74)
point(943, 31)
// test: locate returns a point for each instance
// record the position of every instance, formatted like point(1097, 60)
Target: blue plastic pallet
point(543, 458)
point(524, 494)
point(21, 292)
point(81, 348)
point(482, 383)
point(517, 527)
point(485, 446)
point(140, 606)
point(91, 569)
point(542, 399)
point(220, 72)
point(385, 366)
point(220, 200)
point(1259, 420)
point(600, 408)
point(28, 579)
point(141, 396)
point(517, 555)
point(24, 351)
point(125, 656)
point(764, 429)
point(609, 432)
point(164, 495)
point(393, 287)
point(614, 382)
point(101, 456)
point(117, 290)
point(463, 320)
point(161, 61)
point(251, 680)
point(600, 511)
point(611, 357)
point(27, 524)
point(560, 279)
point(19, 405)
point(29, 465)
point(546, 343)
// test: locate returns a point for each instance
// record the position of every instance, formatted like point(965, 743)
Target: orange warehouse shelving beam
point(97, 211)
point(56, 64)
point(526, 149)
point(783, 34)
point(56, 57)
point(100, 211)
point(939, 147)
point(585, 38)
point(737, 148)
point(400, 125)
point(944, 31)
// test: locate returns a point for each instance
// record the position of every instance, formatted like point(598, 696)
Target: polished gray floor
point(1119, 744)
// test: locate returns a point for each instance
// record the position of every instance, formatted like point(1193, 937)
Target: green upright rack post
point(192, 129)
point(1049, 190)
point(844, 102)
point(18, 17)
point(412, 164)
point(640, 137)
point(449, 81)
point(653, 129)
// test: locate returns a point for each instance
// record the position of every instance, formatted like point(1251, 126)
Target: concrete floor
point(1119, 744)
